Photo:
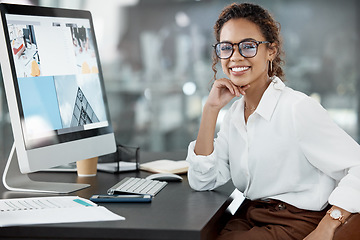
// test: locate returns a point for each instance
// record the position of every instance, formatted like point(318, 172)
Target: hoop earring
point(271, 66)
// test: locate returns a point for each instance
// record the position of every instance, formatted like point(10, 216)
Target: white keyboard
point(137, 186)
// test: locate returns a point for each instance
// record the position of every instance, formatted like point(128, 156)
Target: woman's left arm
point(333, 152)
point(327, 226)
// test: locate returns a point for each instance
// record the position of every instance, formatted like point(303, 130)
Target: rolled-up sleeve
point(331, 150)
point(202, 171)
point(206, 172)
point(347, 194)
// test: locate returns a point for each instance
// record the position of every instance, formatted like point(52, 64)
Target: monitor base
point(14, 180)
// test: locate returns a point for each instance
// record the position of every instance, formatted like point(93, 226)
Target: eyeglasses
point(247, 48)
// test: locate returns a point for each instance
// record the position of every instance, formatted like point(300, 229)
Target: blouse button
point(281, 206)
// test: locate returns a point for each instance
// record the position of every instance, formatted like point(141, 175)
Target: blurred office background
point(157, 54)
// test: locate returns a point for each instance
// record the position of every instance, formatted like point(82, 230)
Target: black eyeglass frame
point(238, 44)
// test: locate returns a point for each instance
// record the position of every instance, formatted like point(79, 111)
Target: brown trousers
point(270, 220)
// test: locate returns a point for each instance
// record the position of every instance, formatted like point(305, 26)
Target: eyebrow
point(244, 40)
point(248, 39)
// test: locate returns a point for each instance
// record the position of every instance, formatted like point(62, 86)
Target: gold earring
point(271, 66)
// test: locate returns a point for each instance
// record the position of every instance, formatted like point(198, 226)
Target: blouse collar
point(266, 105)
point(270, 98)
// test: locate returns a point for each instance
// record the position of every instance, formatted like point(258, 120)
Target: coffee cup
point(87, 167)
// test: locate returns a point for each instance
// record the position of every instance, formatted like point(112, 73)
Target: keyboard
point(137, 186)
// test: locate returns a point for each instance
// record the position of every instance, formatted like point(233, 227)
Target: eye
point(225, 47)
point(248, 45)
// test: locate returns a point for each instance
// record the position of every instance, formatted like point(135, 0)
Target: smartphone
point(121, 198)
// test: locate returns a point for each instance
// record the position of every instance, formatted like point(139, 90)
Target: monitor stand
point(14, 180)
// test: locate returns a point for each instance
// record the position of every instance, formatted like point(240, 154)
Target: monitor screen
point(58, 79)
point(54, 86)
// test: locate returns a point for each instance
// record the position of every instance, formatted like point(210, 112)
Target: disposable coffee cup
point(87, 167)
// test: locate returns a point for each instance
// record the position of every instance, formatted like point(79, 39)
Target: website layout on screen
point(58, 75)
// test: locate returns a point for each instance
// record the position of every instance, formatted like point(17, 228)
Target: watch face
point(335, 214)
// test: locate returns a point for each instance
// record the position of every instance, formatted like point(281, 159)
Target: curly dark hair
point(263, 19)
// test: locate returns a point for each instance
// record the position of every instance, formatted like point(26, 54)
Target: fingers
point(242, 89)
point(233, 89)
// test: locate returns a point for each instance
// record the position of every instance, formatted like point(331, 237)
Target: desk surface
point(176, 212)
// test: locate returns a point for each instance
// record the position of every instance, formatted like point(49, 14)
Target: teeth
point(239, 69)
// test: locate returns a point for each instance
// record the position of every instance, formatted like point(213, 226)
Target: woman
point(278, 146)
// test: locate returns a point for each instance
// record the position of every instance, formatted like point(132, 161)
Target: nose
point(236, 56)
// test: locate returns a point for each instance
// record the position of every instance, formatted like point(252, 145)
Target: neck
point(254, 94)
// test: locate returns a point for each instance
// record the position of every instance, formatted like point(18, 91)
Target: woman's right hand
point(222, 91)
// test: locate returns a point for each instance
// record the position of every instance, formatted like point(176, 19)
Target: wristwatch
point(336, 215)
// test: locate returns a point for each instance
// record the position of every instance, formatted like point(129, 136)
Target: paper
point(45, 210)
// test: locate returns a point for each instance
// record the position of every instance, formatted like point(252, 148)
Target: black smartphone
point(121, 198)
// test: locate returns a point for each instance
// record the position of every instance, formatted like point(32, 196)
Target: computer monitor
point(55, 93)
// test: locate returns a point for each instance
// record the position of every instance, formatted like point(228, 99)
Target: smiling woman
point(272, 127)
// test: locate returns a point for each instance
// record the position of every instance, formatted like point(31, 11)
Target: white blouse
point(289, 150)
